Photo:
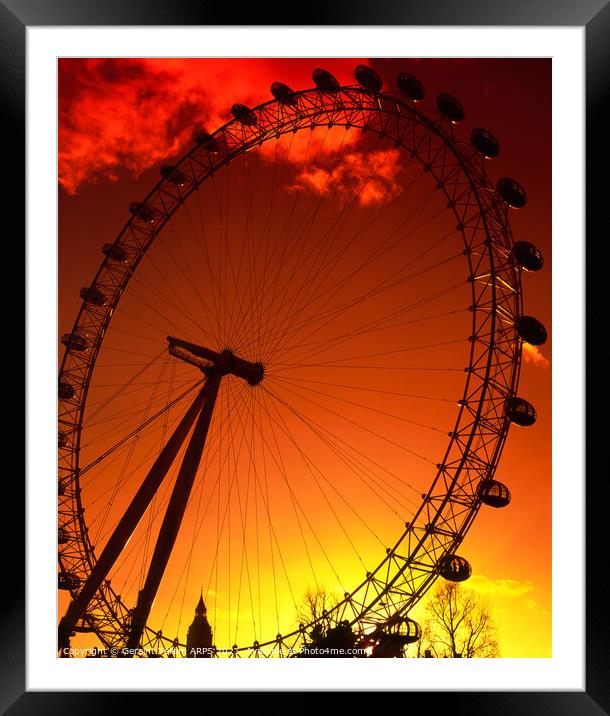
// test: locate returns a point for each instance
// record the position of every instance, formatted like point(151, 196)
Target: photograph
point(304, 357)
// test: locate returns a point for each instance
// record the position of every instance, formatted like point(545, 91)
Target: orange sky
point(119, 121)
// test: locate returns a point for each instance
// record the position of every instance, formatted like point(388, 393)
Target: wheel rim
point(439, 524)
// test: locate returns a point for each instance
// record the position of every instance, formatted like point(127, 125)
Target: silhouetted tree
point(316, 605)
point(459, 625)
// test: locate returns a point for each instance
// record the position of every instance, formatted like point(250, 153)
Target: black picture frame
point(594, 15)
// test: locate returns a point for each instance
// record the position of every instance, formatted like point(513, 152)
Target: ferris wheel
point(294, 372)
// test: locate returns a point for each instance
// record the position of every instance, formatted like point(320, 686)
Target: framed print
point(319, 383)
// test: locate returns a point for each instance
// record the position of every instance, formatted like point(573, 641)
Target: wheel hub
point(225, 362)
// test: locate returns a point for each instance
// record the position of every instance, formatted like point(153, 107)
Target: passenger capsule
point(142, 212)
point(485, 143)
point(390, 641)
point(68, 580)
point(450, 108)
point(531, 330)
point(92, 294)
point(493, 493)
point(454, 568)
point(75, 342)
point(408, 629)
point(368, 78)
point(206, 141)
point(65, 391)
point(323, 80)
point(173, 175)
point(62, 439)
point(520, 412)
point(244, 115)
point(411, 87)
point(283, 94)
point(115, 252)
point(63, 535)
point(527, 256)
point(511, 192)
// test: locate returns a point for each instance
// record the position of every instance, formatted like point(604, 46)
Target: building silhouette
point(199, 635)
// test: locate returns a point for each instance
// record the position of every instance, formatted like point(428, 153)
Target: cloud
point(500, 587)
point(368, 176)
point(533, 605)
point(134, 113)
point(532, 354)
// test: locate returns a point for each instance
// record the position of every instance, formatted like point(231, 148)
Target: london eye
point(295, 369)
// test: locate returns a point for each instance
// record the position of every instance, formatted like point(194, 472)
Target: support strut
point(173, 516)
point(214, 365)
point(128, 522)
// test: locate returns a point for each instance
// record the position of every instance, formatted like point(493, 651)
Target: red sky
point(119, 121)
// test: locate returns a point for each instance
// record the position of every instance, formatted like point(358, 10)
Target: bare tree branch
point(459, 624)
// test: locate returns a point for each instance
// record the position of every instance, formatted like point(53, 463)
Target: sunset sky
point(303, 485)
